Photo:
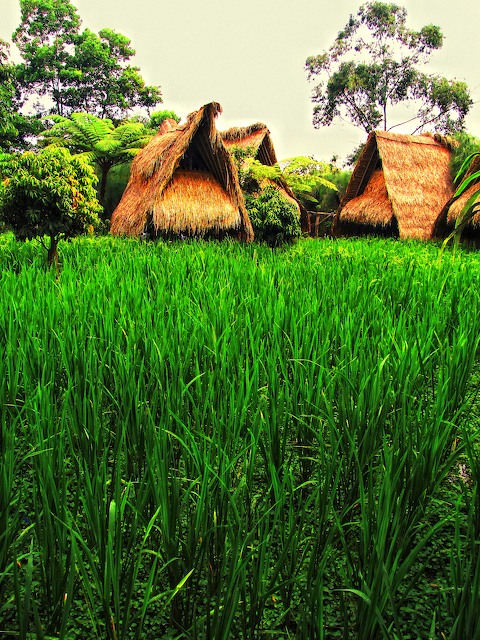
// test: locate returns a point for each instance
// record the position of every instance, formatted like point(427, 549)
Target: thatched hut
point(398, 187)
point(184, 182)
point(445, 222)
point(257, 141)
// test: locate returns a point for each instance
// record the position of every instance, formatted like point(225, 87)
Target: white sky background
point(249, 56)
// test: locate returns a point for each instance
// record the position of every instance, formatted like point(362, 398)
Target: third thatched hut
point(399, 186)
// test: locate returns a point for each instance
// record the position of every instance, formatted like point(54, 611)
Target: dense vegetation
point(221, 441)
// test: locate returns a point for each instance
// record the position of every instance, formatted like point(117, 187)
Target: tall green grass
point(212, 441)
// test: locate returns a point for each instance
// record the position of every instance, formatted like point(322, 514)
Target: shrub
point(275, 219)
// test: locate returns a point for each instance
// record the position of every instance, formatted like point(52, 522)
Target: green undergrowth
point(211, 441)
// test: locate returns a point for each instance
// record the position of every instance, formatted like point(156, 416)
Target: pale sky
point(249, 56)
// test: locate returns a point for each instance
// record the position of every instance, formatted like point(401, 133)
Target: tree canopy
point(313, 182)
point(77, 70)
point(376, 63)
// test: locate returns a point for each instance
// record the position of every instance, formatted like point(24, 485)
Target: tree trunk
point(103, 185)
point(52, 256)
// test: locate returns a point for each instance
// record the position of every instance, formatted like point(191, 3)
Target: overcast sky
point(249, 56)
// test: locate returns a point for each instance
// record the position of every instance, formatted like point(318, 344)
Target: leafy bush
point(275, 219)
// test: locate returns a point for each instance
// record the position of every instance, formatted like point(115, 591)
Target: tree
point(98, 141)
point(48, 194)
point(77, 70)
point(311, 181)
point(158, 117)
point(105, 85)
point(374, 64)
point(275, 218)
point(15, 128)
point(45, 39)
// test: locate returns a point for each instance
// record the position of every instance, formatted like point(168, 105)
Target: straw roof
point(184, 180)
point(399, 180)
point(454, 207)
point(373, 207)
point(255, 136)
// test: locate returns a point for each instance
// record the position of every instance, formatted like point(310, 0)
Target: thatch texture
point(373, 207)
point(195, 200)
point(161, 175)
point(416, 185)
point(255, 136)
point(447, 218)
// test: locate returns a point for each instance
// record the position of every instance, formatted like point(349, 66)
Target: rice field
point(211, 441)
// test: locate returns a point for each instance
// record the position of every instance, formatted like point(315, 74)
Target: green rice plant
point(55, 493)
point(220, 441)
point(463, 600)
point(10, 501)
point(465, 575)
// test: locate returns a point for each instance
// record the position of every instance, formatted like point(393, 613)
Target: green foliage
point(314, 183)
point(374, 64)
point(274, 218)
point(104, 83)
point(48, 194)
point(78, 70)
point(7, 92)
point(243, 157)
point(98, 141)
point(14, 126)
point(158, 117)
point(117, 180)
point(260, 172)
point(45, 38)
point(466, 145)
point(251, 171)
point(472, 206)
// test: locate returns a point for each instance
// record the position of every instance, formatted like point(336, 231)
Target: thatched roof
point(399, 180)
point(373, 207)
point(450, 212)
point(184, 180)
point(255, 136)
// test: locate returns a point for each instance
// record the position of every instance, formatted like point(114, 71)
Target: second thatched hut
point(184, 182)
point(256, 140)
point(398, 188)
